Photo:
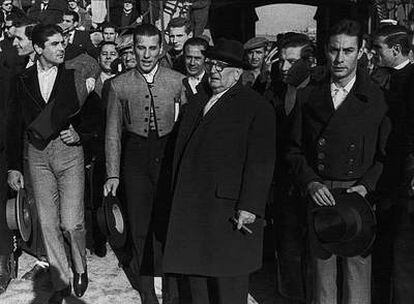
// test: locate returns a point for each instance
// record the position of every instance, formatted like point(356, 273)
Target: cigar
point(243, 227)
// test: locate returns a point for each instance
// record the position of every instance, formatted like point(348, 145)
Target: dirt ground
point(109, 285)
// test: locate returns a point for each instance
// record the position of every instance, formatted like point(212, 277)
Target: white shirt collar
point(40, 70)
point(402, 65)
point(149, 77)
point(347, 88)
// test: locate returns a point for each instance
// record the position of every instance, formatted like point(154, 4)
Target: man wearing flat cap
point(222, 171)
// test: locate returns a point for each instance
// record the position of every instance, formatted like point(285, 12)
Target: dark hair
point(42, 32)
point(196, 41)
point(147, 30)
point(72, 13)
point(108, 25)
point(103, 43)
point(347, 27)
point(294, 40)
point(180, 22)
point(395, 35)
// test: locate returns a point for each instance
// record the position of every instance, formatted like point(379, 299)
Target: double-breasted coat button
point(351, 147)
point(351, 161)
point(322, 142)
point(350, 172)
point(157, 160)
point(321, 155)
point(321, 167)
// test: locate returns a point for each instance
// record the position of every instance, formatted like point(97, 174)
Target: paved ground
point(108, 285)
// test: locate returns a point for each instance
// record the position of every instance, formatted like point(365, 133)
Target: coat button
point(321, 155)
point(146, 96)
point(350, 172)
point(146, 108)
point(157, 160)
point(351, 161)
point(321, 167)
point(145, 130)
point(351, 147)
point(145, 119)
point(322, 142)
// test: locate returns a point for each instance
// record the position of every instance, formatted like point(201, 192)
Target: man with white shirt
point(338, 135)
point(223, 167)
point(142, 107)
point(194, 58)
point(392, 47)
point(40, 118)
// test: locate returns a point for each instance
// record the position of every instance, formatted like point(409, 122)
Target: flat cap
point(255, 43)
point(65, 27)
point(124, 42)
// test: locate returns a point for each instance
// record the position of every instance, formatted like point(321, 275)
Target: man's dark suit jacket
point(82, 40)
point(345, 144)
point(116, 16)
point(27, 104)
point(223, 162)
point(52, 15)
point(202, 87)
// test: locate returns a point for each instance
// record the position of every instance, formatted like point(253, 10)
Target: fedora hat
point(111, 221)
point(229, 51)
point(346, 229)
point(18, 215)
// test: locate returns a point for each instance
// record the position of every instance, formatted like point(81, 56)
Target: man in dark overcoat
point(223, 168)
point(338, 137)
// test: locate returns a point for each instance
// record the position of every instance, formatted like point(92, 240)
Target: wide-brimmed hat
point(346, 229)
point(111, 221)
point(229, 51)
point(18, 215)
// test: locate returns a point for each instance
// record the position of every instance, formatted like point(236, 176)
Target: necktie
point(339, 97)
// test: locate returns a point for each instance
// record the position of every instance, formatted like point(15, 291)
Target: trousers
point(57, 174)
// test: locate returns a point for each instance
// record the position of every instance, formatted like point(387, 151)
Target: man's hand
point(244, 217)
point(360, 189)
point(320, 194)
point(70, 136)
point(269, 60)
point(90, 84)
point(15, 180)
point(111, 185)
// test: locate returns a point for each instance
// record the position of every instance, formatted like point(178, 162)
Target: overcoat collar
point(358, 99)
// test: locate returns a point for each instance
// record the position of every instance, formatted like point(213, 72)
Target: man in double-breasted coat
point(338, 136)
point(223, 167)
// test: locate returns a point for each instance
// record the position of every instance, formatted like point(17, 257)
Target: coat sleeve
point(259, 162)
point(113, 133)
point(294, 153)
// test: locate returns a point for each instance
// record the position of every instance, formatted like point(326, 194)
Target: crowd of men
point(205, 146)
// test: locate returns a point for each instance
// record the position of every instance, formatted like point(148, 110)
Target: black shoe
point(100, 250)
point(4, 273)
point(58, 296)
point(80, 283)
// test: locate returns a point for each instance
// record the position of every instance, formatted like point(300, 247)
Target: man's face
point(21, 42)
point(128, 6)
point(147, 50)
point(178, 37)
point(343, 54)
point(7, 6)
point(9, 28)
point(73, 5)
point(288, 56)
point(107, 55)
point(194, 60)
point(109, 34)
point(383, 53)
point(222, 76)
point(129, 60)
point(54, 50)
point(255, 57)
point(68, 19)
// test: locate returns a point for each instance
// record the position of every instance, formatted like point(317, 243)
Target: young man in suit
point(392, 46)
point(223, 167)
point(194, 58)
point(46, 99)
point(338, 136)
point(142, 107)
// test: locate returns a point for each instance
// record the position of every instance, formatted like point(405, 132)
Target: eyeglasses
point(220, 65)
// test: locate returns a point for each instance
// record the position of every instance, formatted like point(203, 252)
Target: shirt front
point(213, 101)
point(195, 81)
point(402, 65)
point(339, 94)
point(46, 80)
point(149, 77)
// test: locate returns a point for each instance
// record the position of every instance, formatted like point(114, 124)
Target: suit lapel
point(31, 82)
point(57, 82)
point(320, 102)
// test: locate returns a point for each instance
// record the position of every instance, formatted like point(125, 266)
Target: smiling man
point(337, 140)
point(143, 105)
point(43, 107)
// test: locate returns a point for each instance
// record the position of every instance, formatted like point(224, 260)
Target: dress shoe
point(80, 283)
point(4, 273)
point(58, 296)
